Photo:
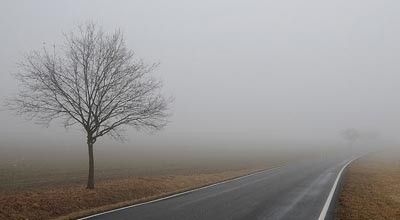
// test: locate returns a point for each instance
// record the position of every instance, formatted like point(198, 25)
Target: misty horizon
point(255, 74)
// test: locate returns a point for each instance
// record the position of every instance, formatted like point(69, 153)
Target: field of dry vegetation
point(48, 189)
point(53, 187)
point(72, 201)
point(371, 188)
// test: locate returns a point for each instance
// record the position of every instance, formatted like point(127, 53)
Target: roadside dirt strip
point(371, 188)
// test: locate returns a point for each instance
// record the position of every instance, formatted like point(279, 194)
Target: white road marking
point(332, 192)
point(181, 193)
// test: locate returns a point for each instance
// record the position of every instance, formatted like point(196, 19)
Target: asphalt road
point(296, 191)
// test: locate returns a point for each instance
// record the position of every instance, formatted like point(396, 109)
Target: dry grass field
point(371, 188)
point(50, 189)
point(70, 202)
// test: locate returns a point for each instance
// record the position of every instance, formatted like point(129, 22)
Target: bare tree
point(351, 135)
point(93, 81)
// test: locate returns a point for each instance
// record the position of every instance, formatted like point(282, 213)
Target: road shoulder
point(371, 188)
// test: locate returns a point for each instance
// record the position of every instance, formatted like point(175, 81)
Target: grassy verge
point(371, 188)
point(70, 202)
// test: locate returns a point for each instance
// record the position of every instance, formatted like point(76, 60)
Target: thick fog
point(243, 73)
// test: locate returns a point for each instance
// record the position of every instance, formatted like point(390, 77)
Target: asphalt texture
point(295, 191)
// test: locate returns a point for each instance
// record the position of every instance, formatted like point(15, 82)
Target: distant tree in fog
point(351, 135)
point(93, 81)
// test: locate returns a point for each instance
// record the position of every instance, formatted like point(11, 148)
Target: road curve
point(295, 191)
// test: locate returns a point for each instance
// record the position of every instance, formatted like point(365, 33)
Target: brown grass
point(74, 201)
point(371, 188)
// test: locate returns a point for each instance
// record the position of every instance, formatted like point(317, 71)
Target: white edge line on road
point(332, 192)
point(181, 193)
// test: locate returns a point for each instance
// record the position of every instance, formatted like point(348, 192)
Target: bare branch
point(92, 80)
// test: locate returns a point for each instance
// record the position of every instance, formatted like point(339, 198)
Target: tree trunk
point(90, 182)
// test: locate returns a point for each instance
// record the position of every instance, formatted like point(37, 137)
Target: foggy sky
point(241, 72)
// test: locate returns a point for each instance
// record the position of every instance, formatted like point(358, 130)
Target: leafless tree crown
point(350, 134)
point(93, 80)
